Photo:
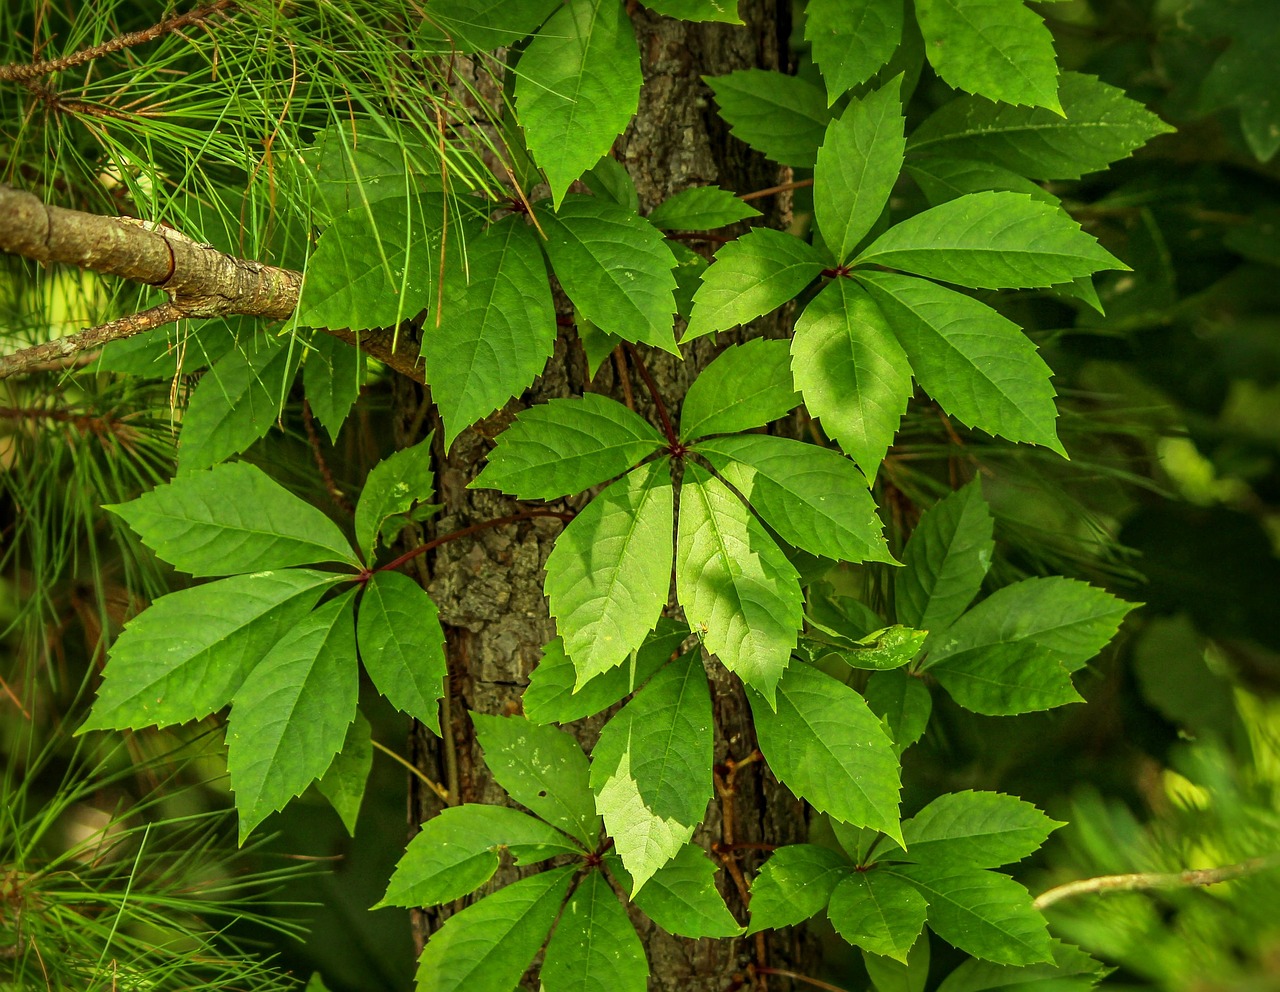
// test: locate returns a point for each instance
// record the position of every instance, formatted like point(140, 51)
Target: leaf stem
point(796, 976)
point(484, 525)
point(672, 440)
point(1139, 881)
point(431, 784)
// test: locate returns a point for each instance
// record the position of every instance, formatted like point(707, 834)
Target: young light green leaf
point(700, 208)
point(566, 446)
point(232, 518)
point(946, 558)
point(736, 586)
point(997, 48)
point(458, 850)
point(542, 768)
point(682, 897)
point(886, 649)
point(782, 117)
point(976, 363)
point(1072, 971)
point(616, 268)
point(391, 487)
point(751, 276)
point(853, 373)
point(814, 498)
point(858, 164)
point(488, 946)
point(793, 884)
point(745, 386)
point(942, 179)
point(983, 913)
point(577, 88)
point(290, 716)
point(595, 946)
point(402, 645)
point(902, 702)
point(827, 747)
point(852, 39)
point(185, 656)
point(462, 27)
point(343, 784)
point(878, 912)
point(976, 830)
point(332, 377)
point(1101, 125)
point(651, 768)
point(498, 330)
point(725, 11)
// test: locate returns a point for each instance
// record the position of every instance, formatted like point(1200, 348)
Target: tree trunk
point(489, 589)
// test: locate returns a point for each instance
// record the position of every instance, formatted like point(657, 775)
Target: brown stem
point(795, 976)
point(1157, 880)
point(331, 486)
point(652, 386)
point(60, 349)
point(484, 525)
point(782, 188)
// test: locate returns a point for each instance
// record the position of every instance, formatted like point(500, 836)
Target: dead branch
point(1140, 881)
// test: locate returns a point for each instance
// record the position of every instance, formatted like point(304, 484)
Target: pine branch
point(1156, 880)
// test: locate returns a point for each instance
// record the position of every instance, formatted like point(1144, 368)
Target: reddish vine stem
point(330, 484)
point(652, 386)
point(484, 525)
point(782, 188)
point(797, 977)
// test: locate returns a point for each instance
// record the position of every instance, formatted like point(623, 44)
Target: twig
point(784, 187)
point(797, 977)
point(1157, 880)
point(431, 784)
point(313, 437)
point(60, 349)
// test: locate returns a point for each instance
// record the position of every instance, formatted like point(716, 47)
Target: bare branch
point(28, 359)
point(1156, 880)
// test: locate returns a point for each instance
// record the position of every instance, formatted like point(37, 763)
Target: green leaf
point(616, 268)
point(943, 179)
point(991, 240)
point(826, 746)
point(577, 88)
point(373, 266)
point(745, 386)
point(343, 784)
point(813, 497)
point(1100, 126)
point(392, 487)
point(976, 830)
point(595, 946)
point(751, 276)
point(651, 768)
point(997, 48)
point(878, 912)
point(1072, 971)
point(983, 913)
point(463, 27)
point(332, 377)
point(852, 39)
point(890, 975)
point(858, 164)
point(551, 696)
point(853, 373)
point(458, 850)
point(237, 401)
point(977, 364)
point(597, 345)
point(946, 558)
point(1002, 679)
point(563, 447)
point(725, 11)
point(609, 179)
point(782, 117)
point(498, 326)
point(542, 768)
point(185, 656)
point(793, 885)
point(609, 574)
point(902, 702)
point(232, 518)
point(488, 946)
point(689, 270)
point(290, 716)
point(682, 897)
point(701, 208)
point(402, 645)
point(736, 586)
point(1242, 76)
point(361, 160)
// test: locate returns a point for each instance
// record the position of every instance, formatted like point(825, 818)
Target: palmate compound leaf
point(745, 386)
point(498, 326)
point(458, 850)
point(594, 946)
point(997, 48)
point(782, 117)
point(750, 277)
point(577, 87)
point(976, 830)
point(700, 208)
point(878, 912)
point(488, 946)
point(616, 268)
point(736, 586)
point(402, 645)
point(825, 745)
point(651, 768)
point(991, 240)
point(393, 486)
point(188, 653)
point(947, 557)
point(566, 446)
point(232, 518)
point(290, 716)
point(609, 574)
point(858, 164)
point(852, 371)
point(344, 781)
point(794, 884)
point(852, 39)
point(543, 769)
point(682, 897)
point(977, 364)
point(814, 498)
point(983, 913)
